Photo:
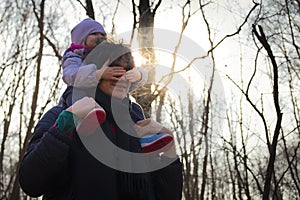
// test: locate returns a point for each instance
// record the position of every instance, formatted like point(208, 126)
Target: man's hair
point(114, 52)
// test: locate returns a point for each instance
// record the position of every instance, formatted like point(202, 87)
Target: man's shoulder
point(136, 106)
point(133, 103)
point(50, 117)
point(137, 112)
point(56, 110)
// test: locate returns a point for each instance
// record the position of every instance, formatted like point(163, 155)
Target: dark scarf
point(120, 115)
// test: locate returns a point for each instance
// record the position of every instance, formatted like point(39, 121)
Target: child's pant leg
point(78, 93)
point(72, 94)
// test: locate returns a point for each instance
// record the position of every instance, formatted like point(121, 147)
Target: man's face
point(117, 89)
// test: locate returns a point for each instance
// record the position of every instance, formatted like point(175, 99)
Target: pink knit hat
point(88, 26)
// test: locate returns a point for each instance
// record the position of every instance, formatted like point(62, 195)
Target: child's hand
point(133, 75)
point(110, 72)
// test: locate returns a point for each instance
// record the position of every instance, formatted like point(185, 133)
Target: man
point(109, 164)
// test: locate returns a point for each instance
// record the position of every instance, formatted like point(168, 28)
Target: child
point(83, 78)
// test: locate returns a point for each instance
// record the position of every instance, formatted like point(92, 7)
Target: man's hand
point(147, 126)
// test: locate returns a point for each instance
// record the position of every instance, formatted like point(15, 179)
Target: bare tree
point(232, 169)
point(196, 176)
point(146, 10)
point(24, 82)
point(272, 148)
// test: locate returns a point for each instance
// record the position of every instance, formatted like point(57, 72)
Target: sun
point(179, 78)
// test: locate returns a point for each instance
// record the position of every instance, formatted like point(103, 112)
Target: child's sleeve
point(143, 80)
point(76, 74)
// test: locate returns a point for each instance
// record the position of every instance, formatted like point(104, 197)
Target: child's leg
point(153, 143)
point(71, 95)
point(156, 143)
point(78, 93)
point(156, 138)
point(66, 98)
point(93, 119)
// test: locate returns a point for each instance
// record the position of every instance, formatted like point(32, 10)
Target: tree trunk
point(144, 95)
point(270, 169)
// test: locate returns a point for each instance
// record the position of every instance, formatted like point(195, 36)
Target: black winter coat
point(58, 166)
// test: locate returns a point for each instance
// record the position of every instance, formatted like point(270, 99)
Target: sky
point(224, 17)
